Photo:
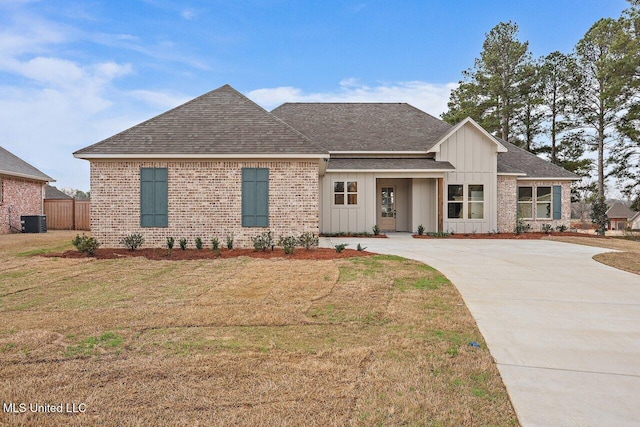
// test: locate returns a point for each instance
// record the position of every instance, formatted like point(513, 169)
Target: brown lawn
point(628, 257)
point(375, 340)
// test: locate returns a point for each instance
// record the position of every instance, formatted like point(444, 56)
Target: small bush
point(263, 241)
point(198, 243)
point(521, 226)
point(183, 243)
point(170, 242)
point(230, 241)
point(420, 230)
point(215, 244)
point(307, 240)
point(376, 230)
point(360, 248)
point(561, 228)
point(85, 244)
point(546, 228)
point(288, 243)
point(339, 248)
point(132, 241)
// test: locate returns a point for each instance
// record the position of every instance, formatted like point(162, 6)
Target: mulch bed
point(510, 236)
point(360, 236)
point(195, 254)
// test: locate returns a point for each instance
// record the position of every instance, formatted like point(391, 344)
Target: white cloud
point(188, 14)
point(429, 97)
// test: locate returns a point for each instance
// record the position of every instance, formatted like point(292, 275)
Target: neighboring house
point(221, 165)
point(52, 193)
point(634, 221)
point(618, 214)
point(21, 191)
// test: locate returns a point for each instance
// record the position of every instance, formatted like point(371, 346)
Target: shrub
point(420, 230)
point(561, 228)
point(198, 243)
point(183, 243)
point(85, 244)
point(263, 241)
point(215, 244)
point(339, 248)
point(229, 241)
point(132, 241)
point(307, 240)
point(376, 230)
point(170, 242)
point(521, 226)
point(599, 215)
point(546, 228)
point(360, 248)
point(288, 243)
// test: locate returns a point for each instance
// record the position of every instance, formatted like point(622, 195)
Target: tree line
point(563, 105)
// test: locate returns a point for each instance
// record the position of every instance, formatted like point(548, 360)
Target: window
point(476, 202)
point(455, 197)
point(525, 202)
point(255, 197)
point(547, 201)
point(345, 192)
point(154, 205)
point(543, 203)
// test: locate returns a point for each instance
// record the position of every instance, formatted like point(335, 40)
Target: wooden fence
point(68, 214)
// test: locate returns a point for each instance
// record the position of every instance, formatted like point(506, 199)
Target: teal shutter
point(557, 202)
point(154, 197)
point(255, 197)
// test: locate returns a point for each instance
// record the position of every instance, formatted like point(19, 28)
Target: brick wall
point(22, 197)
point(507, 207)
point(536, 224)
point(204, 200)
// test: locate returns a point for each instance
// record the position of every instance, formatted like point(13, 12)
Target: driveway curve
point(564, 329)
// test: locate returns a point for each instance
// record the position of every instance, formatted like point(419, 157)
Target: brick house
point(221, 165)
point(21, 191)
point(619, 215)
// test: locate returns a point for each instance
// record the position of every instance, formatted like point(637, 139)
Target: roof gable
point(467, 122)
point(12, 165)
point(619, 210)
point(221, 122)
point(364, 127)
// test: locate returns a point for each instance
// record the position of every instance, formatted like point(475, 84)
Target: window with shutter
point(557, 202)
point(255, 197)
point(154, 197)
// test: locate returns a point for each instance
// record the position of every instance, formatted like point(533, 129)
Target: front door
point(387, 208)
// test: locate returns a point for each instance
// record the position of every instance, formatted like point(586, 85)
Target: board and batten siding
point(424, 208)
point(474, 157)
point(353, 218)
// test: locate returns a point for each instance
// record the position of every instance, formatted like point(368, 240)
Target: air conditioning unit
point(34, 223)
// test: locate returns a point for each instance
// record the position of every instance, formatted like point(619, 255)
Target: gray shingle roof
point(619, 210)
point(387, 164)
point(10, 164)
point(52, 193)
point(518, 160)
point(222, 121)
point(364, 126)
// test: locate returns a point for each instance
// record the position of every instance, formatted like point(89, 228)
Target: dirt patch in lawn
point(157, 254)
point(627, 259)
point(521, 236)
point(374, 340)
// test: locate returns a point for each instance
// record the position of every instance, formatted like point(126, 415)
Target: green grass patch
point(90, 346)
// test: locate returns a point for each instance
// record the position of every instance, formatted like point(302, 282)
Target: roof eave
point(539, 178)
point(391, 170)
point(44, 178)
point(101, 156)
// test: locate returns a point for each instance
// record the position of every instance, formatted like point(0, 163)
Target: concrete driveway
point(564, 329)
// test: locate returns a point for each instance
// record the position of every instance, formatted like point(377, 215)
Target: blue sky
point(75, 72)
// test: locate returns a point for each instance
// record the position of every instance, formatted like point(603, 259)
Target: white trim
point(24, 175)
point(200, 156)
point(388, 153)
point(511, 174)
point(436, 147)
point(391, 170)
point(529, 178)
